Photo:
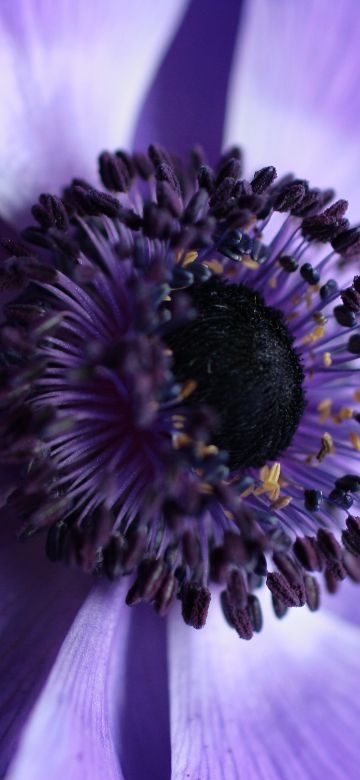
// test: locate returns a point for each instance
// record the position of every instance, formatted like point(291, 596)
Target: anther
point(237, 617)
point(312, 592)
point(307, 552)
point(351, 299)
point(351, 537)
point(328, 289)
point(349, 483)
point(263, 178)
point(288, 263)
point(328, 545)
point(310, 274)
point(344, 316)
point(313, 499)
point(195, 601)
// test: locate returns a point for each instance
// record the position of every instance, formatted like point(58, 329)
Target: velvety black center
point(241, 355)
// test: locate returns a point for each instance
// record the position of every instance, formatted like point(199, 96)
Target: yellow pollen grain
point(319, 318)
point(308, 298)
point(206, 450)
point(248, 262)
point(269, 478)
point(187, 389)
point(214, 266)
point(206, 488)
point(324, 408)
point(281, 503)
point(326, 447)
point(190, 257)
point(327, 359)
point(229, 515)
point(346, 413)
point(356, 396)
point(315, 335)
point(296, 299)
point(355, 440)
point(181, 440)
point(273, 282)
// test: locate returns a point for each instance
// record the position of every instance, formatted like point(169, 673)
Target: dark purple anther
point(328, 289)
point(348, 483)
point(263, 179)
point(310, 274)
point(231, 168)
point(206, 178)
point(166, 595)
point(112, 557)
point(344, 316)
point(195, 601)
point(313, 499)
point(328, 545)
point(15, 248)
point(312, 591)
point(168, 199)
point(239, 619)
point(279, 608)
point(165, 172)
point(288, 263)
point(345, 240)
point(351, 537)
point(308, 553)
point(114, 173)
point(50, 212)
point(351, 299)
point(255, 613)
point(353, 344)
point(283, 592)
point(340, 498)
point(290, 197)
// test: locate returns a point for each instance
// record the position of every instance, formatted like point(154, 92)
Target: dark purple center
point(241, 355)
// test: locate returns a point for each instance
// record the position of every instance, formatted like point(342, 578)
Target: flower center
point(241, 356)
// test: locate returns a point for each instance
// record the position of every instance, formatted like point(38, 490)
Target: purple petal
point(39, 602)
point(73, 724)
point(186, 103)
point(144, 717)
point(279, 706)
point(71, 84)
point(345, 603)
point(294, 100)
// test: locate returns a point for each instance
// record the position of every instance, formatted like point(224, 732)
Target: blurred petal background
point(119, 693)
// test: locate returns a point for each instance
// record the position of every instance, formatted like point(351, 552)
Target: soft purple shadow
point(186, 103)
point(145, 725)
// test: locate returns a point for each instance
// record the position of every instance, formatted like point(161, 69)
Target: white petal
point(294, 100)
point(72, 731)
point(280, 706)
point(72, 81)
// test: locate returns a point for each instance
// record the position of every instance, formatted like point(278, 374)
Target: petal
point(186, 103)
point(72, 727)
point(38, 604)
point(345, 603)
point(72, 83)
point(294, 100)
point(279, 706)
point(144, 738)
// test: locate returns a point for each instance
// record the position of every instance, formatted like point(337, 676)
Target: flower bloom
point(179, 384)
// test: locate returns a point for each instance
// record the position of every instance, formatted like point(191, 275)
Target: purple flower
point(179, 391)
